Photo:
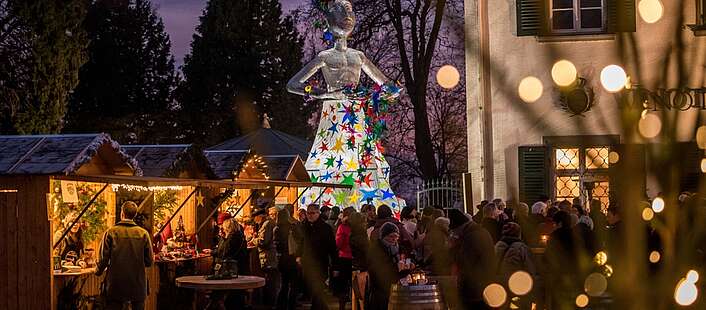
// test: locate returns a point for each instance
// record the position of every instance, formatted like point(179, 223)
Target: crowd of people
point(309, 255)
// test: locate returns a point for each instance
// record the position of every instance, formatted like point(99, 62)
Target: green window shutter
point(534, 170)
point(689, 156)
point(531, 17)
point(627, 176)
point(621, 15)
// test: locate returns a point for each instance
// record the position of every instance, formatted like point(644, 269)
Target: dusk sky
point(181, 16)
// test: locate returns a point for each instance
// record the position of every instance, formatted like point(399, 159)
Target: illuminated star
point(334, 128)
point(328, 190)
point(314, 178)
point(369, 195)
point(326, 176)
point(313, 154)
point(339, 163)
point(351, 165)
point(322, 133)
point(358, 127)
point(329, 162)
point(348, 180)
point(327, 202)
point(323, 147)
point(354, 197)
point(387, 194)
point(338, 145)
point(368, 179)
point(199, 199)
point(340, 198)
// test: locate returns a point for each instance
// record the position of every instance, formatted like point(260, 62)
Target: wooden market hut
point(28, 164)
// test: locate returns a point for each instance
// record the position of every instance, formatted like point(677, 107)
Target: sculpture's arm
point(297, 83)
point(373, 72)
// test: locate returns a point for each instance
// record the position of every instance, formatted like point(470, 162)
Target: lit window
point(597, 158)
point(582, 171)
point(567, 159)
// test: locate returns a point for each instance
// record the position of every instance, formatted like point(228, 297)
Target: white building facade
point(560, 145)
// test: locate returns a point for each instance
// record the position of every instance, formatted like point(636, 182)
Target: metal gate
point(444, 193)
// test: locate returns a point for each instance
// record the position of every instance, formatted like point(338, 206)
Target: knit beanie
point(456, 218)
point(387, 229)
point(511, 230)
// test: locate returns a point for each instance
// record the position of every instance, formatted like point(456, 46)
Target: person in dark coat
point(287, 264)
point(233, 246)
point(317, 251)
point(474, 258)
point(125, 251)
point(490, 221)
point(386, 266)
point(563, 262)
point(385, 216)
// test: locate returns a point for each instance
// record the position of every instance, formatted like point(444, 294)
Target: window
point(582, 172)
point(574, 17)
point(577, 16)
point(699, 27)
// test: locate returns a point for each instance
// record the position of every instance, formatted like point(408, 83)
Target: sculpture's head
point(340, 17)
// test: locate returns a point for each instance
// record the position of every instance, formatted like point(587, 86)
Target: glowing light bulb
point(649, 125)
point(651, 11)
point(564, 73)
point(448, 76)
point(685, 293)
point(530, 89)
point(647, 214)
point(582, 301)
point(494, 295)
point(520, 283)
point(613, 78)
point(658, 204)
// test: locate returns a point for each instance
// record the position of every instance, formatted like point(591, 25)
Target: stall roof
point(63, 154)
point(265, 142)
point(224, 163)
point(168, 160)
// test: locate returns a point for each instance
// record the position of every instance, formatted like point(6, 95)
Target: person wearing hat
point(386, 265)
point(474, 257)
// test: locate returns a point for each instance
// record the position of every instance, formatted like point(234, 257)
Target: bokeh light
point(582, 301)
point(651, 11)
point(658, 204)
point(530, 89)
point(692, 276)
point(494, 295)
point(608, 270)
point(649, 126)
point(703, 165)
point(686, 293)
point(601, 258)
point(655, 257)
point(647, 214)
point(520, 283)
point(701, 137)
point(613, 78)
point(564, 73)
point(448, 76)
point(613, 157)
point(595, 284)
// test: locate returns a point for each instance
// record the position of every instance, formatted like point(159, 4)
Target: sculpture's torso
point(342, 67)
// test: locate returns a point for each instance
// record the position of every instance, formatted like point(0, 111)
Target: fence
point(444, 193)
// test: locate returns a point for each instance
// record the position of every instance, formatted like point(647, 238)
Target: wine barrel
point(417, 297)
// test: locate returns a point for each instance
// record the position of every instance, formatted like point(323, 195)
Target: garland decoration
point(375, 102)
point(93, 222)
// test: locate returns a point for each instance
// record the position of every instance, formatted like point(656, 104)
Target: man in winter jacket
point(125, 251)
point(315, 254)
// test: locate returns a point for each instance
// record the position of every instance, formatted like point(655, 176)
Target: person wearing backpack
point(513, 256)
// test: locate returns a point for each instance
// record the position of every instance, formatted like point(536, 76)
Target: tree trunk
point(422, 133)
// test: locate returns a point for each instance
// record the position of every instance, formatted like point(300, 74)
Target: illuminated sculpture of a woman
point(347, 148)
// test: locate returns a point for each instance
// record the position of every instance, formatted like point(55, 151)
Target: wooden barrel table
point(417, 297)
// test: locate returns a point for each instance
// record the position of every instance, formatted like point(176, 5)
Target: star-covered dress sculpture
point(347, 148)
